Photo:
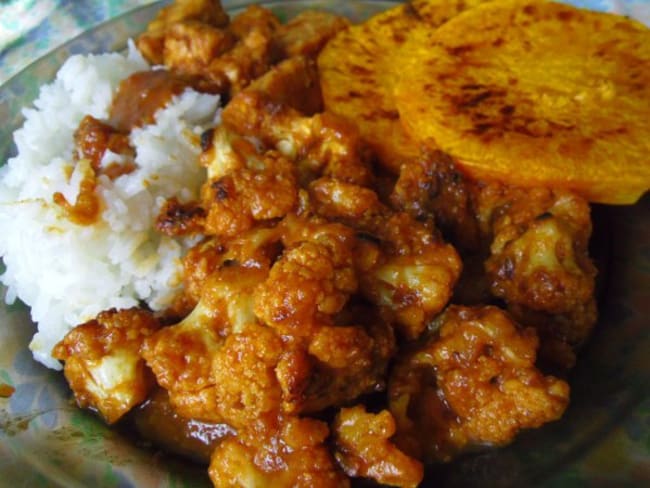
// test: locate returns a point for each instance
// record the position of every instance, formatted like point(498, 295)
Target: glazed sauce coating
point(157, 421)
point(140, 95)
point(85, 209)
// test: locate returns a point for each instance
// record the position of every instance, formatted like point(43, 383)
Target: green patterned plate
point(603, 440)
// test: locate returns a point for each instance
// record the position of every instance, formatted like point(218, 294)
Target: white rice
point(67, 273)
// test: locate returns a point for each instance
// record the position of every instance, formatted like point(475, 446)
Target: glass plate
point(603, 439)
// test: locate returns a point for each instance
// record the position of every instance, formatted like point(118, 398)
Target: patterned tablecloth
point(31, 28)
point(618, 455)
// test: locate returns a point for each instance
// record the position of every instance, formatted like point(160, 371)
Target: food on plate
point(115, 258)
point(103, 364)
point(363, 448)
point(357, 85)
point(360, 67)
point(202, 12)
point(531, 245)
point(477, 373)
point(215, 249)
point(283, 452)
point(559, 91)
point(196, 38)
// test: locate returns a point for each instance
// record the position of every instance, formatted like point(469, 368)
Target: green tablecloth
point(31, 28)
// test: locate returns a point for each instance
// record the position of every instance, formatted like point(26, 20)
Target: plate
point(603, 439)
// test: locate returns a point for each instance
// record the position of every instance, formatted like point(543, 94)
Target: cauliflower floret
point(255, 50)
point(245, 385)
point(283, 452)
point(181, 356)
point(293, 83)
point(341, 346)
point(247, 182)
point(432, 187)
point(303, 286)
point(257, 373)
point(413, 276)
point(533, 241)
point(473, 382)
point(539, 275)
point(337, 200)
point(363, 448)
point(321, 145)
point(264, 189)
point(347, 361)
point(257, 248)
point(224, 152)
point(403, 266)
point(308, 32)
point(194, 38)
point(313, 278)
point(151, 43)
point(539, 263)
point(228, 294)
point(103, 364)
point(190, 46)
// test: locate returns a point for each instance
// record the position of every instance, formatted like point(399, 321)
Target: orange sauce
point(115, 170)
point(6, 390)
point(140, 95)
point(156, 421)
point(85, 210)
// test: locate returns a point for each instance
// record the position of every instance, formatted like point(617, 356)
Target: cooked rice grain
point(65, 272)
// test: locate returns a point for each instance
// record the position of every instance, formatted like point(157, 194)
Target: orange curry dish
point(337, 321)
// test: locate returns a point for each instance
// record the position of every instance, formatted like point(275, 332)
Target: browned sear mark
point(176, 218)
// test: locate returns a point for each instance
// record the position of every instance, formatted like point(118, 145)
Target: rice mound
point(67, 273)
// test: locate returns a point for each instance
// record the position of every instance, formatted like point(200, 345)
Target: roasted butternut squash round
point(359, 70)
point(534, 93)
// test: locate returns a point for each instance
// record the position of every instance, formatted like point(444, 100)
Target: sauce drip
point(115, 170)
point(93, 138)
point(85, 210)
point(140, 95)
point(6, 390)
point(156, 421)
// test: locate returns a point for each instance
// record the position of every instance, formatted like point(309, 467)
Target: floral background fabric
point(31, 28)
point(44, 441)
